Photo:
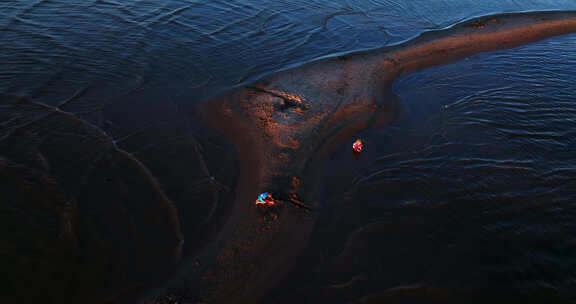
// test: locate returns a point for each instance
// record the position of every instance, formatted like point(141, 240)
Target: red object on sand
point(357, 146)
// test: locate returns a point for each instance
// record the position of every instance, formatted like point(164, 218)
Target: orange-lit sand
point(285, 125)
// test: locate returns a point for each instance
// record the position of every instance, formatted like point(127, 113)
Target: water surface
point(470, 192)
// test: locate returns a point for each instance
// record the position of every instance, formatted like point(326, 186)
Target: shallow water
point(473, 189)
point(478, 190)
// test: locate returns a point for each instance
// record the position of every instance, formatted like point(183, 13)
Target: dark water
point(478, 190)
point(471, 193)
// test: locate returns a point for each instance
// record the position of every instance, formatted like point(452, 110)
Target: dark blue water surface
point(472, 191)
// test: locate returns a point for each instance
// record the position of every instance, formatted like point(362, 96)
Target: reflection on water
point(472, 188)
point(52, 48)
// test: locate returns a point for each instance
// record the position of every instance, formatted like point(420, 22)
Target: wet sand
point(92, 212)
point(103, 223)
point(286, 124)
point(257, 244)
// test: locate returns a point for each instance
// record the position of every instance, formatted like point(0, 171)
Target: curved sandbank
point(287, 123)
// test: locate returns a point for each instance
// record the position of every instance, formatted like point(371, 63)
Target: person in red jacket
point(357, 147)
